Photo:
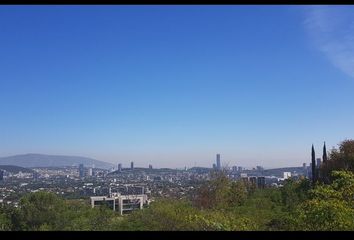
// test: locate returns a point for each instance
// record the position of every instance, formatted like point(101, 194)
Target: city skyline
point(172, 86)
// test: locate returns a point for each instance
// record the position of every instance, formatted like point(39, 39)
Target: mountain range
point(42, 160)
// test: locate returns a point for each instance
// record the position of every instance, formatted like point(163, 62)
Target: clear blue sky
point(172, 86)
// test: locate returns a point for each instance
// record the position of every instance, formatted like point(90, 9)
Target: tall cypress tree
point(324, 156)
point(313, 166)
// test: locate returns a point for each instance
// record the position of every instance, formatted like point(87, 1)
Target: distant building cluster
point(126, 189)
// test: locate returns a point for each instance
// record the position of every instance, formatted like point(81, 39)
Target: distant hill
point(15, 169)
point(42, 160)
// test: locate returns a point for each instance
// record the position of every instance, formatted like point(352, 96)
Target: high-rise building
point(239, 169)
point(81, 170)
point(119, 167)
point(218, 162)
point(260, 182)
point(318, 162)
point(150, 166)
point(234, 168)
point(132, 165)
point(90, 172)
point(214, 166)
point(304, 169)
point(1, 175)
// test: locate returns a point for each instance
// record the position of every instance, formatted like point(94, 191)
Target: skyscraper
point(218, 163)
point(132, 165)
point(324, 156)
point(119, 167)
point(1, 175)
point(81, 170)
point(150, 166)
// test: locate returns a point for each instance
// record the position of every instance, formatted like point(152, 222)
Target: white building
point(286, 175)
point(121, 203)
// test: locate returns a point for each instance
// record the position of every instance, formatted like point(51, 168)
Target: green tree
point(42, 208)
point(5, 221)
point(162, 215)
point(237, 194)
point(220, 192)
point(294, 192)
point(339, 159)
point(330, 207)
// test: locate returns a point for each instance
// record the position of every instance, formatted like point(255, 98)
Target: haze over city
point(173, 86)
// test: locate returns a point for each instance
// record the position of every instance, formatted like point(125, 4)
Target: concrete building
point(260, 182)
point(1, 175)
point(81, 170)
point(239, 169)
point(218, 161)
point(119, 167)
point(150, 166)
point(253, 180)
point(89, 172)
point(121, 203)
point(286, 175)
point(132, 165)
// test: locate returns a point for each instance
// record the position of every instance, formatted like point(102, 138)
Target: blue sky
point(172, 86)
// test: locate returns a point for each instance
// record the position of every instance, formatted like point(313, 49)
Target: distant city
point(128, 188)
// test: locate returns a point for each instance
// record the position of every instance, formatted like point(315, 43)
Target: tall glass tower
point(218, 163)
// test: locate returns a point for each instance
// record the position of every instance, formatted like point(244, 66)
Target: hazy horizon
point(172, 86)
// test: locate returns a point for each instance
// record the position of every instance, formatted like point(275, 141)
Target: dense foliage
point(339, 159)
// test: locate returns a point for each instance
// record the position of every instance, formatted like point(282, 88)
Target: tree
point(294, 192)
point(324, 155)
point(339, 159)
point(237, 194)
point(214, 193)
point(330, 207)
point(313, 164)
point(42, 208)
point(5, 221)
